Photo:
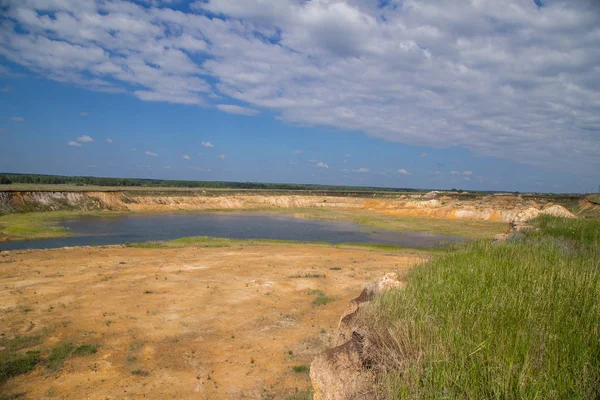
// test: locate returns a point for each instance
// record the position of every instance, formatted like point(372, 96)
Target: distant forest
point(6, 178)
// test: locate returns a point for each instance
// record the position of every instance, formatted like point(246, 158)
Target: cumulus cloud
point(17, 119)
point(221, 156)
point(207, 144)
point(467, 173)
point(423, 155)
point(505, 79)
point(109, 140)
point(361, 170)
point(185, 157)
point(454, 173)
point(84, 139)
point(74, 143)
point(150, 153)
point(321, 165)
point(402, 171)
point(233, 109)
point(134, 149)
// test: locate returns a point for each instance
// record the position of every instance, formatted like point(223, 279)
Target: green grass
point(301, 369)
point(472, 229)
point(320, 297)
point(214, 242)
point(505, 321)
point(13, 361)
point(21, 342)
point(66, 350)
point(41, 225)
point(13, 364)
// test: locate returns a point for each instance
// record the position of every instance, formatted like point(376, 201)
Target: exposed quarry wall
point(492, 208)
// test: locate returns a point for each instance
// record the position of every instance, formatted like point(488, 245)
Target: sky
point(469, 94)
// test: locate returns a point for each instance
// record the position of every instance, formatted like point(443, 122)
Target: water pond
point(94, 231)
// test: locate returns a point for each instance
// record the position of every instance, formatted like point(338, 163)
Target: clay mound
point(527, 214)
point(554, 210)
point(558, 211)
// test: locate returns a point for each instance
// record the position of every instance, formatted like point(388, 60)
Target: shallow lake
point(95, 231)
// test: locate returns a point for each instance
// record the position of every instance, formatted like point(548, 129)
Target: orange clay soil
point(202, 323)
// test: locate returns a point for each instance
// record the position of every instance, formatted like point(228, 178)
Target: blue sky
point(400, 94)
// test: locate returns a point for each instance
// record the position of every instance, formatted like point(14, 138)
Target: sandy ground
point(190, 323)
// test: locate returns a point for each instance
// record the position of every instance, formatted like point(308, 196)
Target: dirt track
point(202, 323)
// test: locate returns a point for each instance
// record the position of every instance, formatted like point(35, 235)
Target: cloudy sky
point(474, 94)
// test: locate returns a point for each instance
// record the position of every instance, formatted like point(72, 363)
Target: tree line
point(139, 182)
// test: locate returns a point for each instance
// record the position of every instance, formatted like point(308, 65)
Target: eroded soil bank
point(440, 205)
point(207, 323)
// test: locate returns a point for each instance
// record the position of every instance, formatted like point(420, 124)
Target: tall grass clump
point(506, 321)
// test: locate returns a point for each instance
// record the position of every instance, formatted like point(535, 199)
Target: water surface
point(94, 231)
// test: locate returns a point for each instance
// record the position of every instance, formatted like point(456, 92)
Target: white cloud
point(74, 144)
point(109, 140)
point(84, 113)
point(402, 171)
point(150, 153)
point(84, 139)
point(134, 149)
point(207, 144)
point(361, 170)
point(298, 152)
point(185, 157)
point(233, 109)
point(423, 155)
point(454, 173)
point(348, 155)
point(467, 173)
point(467, 178)
point(17, 119)
point(221, 156)
point(5, 89)
point(504, 79)
point(322, 165)
point(167, 167)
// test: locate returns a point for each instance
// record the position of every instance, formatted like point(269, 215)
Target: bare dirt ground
point(189, 323)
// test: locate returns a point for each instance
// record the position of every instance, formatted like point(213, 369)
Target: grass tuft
point(301, 369)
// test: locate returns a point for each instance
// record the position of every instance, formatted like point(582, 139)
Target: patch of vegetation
point(21, 342)
point(140, 372)
point(306, 394)
point(85, 350)
point(59, 354)
point(335, 269)
point(300, 369)
point(509, 320)
point(321, 298)
point(66, 350)
point(13, 364)
point(40, 225)
point(472, 229)
point(308, 275)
